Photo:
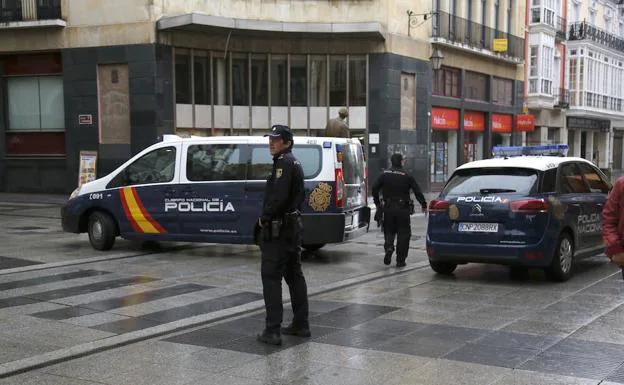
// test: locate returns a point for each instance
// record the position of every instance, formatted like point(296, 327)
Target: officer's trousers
point(283, 259)
point(397, 224)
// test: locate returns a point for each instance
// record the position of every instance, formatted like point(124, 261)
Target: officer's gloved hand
point(264, 221)
point(424, 209)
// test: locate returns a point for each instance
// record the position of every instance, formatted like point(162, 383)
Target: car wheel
point(313, 247)
point(562, 265)
point(444, 268)
point(102, 231)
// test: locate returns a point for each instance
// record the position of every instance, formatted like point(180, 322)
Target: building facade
point(112, 77)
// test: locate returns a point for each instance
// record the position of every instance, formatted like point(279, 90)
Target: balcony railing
point(562, 98)
point(474, 35)
point(585, 31)
point(29, 10)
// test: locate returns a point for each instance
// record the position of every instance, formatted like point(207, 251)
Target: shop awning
point(198, 22)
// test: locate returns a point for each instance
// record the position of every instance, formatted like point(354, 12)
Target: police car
point(528, 206)
point(211, 189)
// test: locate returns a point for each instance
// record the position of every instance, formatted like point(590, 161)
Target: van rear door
point(354, 174)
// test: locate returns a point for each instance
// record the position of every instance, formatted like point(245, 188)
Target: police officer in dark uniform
point(280, 230)
point(395, 185)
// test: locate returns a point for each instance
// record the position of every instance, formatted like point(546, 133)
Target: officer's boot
point(388, 257)
point(269, 337)
point(297, 330)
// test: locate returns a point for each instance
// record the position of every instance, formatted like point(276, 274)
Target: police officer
point(395, 185)
point(281, 229)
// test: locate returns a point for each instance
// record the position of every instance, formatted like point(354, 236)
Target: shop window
point(357, 81)
point(240, 80)
point(201, 69)
point(476, 86)
point(259, 81)
point(279, 79)
point(502, 91)
point(318, 81)
point(338, 81)
point(447, 82)
point(36, 103)
point(298, 81)
point(220, 81)
point(183, 76)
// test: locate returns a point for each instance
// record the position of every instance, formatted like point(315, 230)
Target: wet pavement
point(188, 314)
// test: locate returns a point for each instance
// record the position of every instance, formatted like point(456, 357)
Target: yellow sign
point(500, 45)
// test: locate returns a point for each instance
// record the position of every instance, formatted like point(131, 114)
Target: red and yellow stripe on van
point(136, 214)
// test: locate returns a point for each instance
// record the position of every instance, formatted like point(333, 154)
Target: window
point(571, 180)
point(549, 181)
point(338, 81)
point(240, 80)
point(221, 82)
point(157, 166)
point(201, 62)
point(533, 63)
point(259, 81)
point(447, 82)
point(262, 161)
point(547, 69)
point(183, 76)
point(318, 81)
point(476, 86)
point(357, 81)
point(279, 79)
point(298, 81)
point(472, 181)
point(353, 164)
point(502, 91)
point(214, 162)
point(595, 181)
point(36, 103)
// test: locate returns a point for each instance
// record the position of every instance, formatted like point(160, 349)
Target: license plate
point(348, 220)
point(478, 227)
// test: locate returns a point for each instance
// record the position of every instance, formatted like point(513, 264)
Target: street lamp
point(436, 59)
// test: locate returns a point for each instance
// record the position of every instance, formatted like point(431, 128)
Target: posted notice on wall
point(88, 162)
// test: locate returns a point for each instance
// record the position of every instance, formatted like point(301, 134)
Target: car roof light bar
point(544, 150)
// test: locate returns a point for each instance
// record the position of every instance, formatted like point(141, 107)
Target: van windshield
point(310, 157)
point(353, 163)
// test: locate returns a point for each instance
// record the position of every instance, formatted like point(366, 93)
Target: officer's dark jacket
point(284, 188)
point(396, 183)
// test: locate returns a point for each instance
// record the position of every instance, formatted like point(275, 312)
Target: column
point(543, 135)
point(589, 146)
point(576, 150)
point(452, 151)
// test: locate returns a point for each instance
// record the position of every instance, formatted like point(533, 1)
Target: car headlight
point(75, 193)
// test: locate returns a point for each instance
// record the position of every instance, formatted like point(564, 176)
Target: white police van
point(211, 189)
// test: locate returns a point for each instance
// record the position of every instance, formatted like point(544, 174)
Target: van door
point(142, 190)
point(210, 199)
point(261, 164)
point(354, 173)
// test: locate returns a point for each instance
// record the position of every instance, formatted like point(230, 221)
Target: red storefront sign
point(502, 123)
point(474, 121)
point(444, 118)
point(525, 123)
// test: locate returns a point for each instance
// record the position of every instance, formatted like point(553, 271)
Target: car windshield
point(486, 181)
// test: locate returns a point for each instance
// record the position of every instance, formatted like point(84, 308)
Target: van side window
point(214, 162)
point(310, 157)
point(156, 166)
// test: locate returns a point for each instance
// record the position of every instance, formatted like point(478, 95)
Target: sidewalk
point(35, 199)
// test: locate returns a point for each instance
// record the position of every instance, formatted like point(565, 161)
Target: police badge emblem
point(278, 173)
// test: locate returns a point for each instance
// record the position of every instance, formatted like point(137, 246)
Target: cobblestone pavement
point(188, 314)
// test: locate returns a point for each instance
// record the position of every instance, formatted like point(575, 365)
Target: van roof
point(252, 139)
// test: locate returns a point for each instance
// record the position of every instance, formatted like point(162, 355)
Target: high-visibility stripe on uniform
point(137, 215)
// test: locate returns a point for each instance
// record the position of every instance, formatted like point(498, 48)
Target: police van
point(211, 189)
point(526, 207)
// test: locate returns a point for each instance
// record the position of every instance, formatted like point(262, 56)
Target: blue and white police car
point(211, 189)
point(528, 207)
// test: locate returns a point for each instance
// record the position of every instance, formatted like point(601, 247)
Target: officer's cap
point(280, 131)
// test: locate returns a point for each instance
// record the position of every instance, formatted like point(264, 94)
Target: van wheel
point(562, 265)
point(444, 268)
point(313, 247)
point(102, 231)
